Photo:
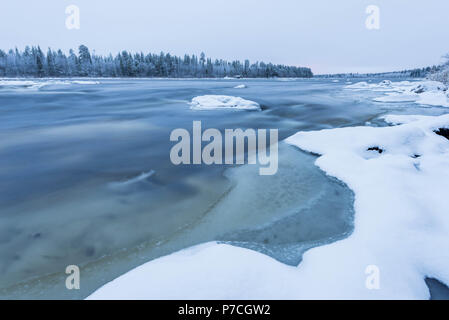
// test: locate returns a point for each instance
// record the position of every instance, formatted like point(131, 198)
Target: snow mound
point(426, 86)
point(240, 86)
point(211, 102)
point(399, 175)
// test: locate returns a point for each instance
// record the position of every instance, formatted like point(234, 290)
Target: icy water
point(86, 178)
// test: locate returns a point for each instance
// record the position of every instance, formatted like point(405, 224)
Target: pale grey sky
point(327, 35)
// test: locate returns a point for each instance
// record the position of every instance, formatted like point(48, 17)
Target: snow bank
point(210, 102)
point(431, 98)
point(399, 175)
point(426, 92)
point(434, 98)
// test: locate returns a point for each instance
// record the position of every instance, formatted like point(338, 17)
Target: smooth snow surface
point(401, 228)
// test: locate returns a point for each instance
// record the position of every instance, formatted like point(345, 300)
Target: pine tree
point(85, 60)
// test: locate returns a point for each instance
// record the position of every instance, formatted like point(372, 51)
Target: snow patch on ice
point(211, 102)
point(240, 86)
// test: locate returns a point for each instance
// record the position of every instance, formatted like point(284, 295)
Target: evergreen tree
point(85, 61)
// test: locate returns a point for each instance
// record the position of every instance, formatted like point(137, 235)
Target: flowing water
point(86, 177)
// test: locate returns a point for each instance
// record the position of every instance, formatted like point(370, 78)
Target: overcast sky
point(327, 35)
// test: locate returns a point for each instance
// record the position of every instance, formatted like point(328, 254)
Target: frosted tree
point(85, 60)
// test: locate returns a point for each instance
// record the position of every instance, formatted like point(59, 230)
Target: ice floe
point(211, 102)
point(37, 84)
point(399, 175)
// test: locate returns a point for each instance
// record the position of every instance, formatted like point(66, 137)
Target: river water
point(86, 178)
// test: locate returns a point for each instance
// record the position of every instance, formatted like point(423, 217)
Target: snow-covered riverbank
point(399, 174)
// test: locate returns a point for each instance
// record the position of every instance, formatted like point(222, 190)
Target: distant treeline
point(33, 62)
point(413, 73)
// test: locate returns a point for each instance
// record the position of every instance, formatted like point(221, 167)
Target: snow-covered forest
point(33, 62)
point(413, 73)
